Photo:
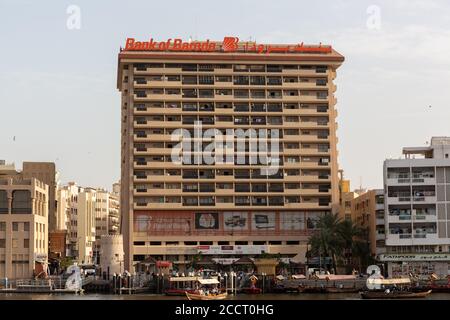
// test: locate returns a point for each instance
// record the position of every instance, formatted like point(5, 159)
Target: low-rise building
point(368, 214)
point(23, 227)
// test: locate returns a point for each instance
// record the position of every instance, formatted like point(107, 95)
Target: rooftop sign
point(229, 44)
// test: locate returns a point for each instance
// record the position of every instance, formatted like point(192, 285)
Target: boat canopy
point(208, 281)
point(334, 277)
point(388, 281)
point(181, 279)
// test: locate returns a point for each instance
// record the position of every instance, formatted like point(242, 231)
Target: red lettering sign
point(229, 44)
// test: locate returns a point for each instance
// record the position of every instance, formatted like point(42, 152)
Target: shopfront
point(417, 264)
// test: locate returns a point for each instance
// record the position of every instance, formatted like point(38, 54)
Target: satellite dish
point(373, 269)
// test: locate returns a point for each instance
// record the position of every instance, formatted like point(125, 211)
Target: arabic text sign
point(414, 257)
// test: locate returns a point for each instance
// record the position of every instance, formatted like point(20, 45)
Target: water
point(294, 296)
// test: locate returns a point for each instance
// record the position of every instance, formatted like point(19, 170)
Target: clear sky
point(58, 96)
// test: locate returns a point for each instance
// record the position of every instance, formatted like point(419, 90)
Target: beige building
point(225, 208)
point(88, 214)
point(23, 226)
point(368, 213)
point(106, 218)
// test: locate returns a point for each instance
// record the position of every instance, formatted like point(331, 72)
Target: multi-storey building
point(230, 206)
point(417, 207)
point(77, 206)
point(106, 218)
point(23, 226)
point(368, 212)
point(86, 225)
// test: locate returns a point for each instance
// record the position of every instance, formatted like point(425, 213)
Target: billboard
point(263, 221)
point(241, 249)
point(292, 220)
point(208, 221)
point(236, 221)
point(157, 221)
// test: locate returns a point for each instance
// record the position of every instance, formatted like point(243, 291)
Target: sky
point(58, 69)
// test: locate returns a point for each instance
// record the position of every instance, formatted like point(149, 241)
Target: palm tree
point(328, 240)
point(355, 239)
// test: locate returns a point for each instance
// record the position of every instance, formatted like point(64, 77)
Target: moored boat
point(251, 290)
point(399, 288)
point(341, 290)
point(198, 296)
point(393, 294)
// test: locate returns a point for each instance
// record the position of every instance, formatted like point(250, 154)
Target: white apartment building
point(417, 210)
point(87, 199)
point(89, 213)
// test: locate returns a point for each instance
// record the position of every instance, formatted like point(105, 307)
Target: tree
point(328, 241)
point(334, 236)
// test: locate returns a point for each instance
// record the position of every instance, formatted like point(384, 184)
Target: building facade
point(231, 206)
point(23, 227)
point(368, 212)
point(417, 207)
point(81, 209)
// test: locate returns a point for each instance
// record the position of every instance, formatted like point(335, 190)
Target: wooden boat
point(196, 296)
point(178, 292)
point(393, 294)
point(251, 290)
point(341, 290)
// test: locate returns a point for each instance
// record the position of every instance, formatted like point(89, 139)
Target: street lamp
point(264, 281)
point(226, 282)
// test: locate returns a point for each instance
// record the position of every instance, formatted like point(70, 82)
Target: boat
point(386, 294)
point(198, 296)
point(399, 288)
point(180, 285)
point(177, 292)
point(341, 290)
point(251, 290)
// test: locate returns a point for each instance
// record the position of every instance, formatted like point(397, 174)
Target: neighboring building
point(106, 218)
point(23, 226)
point(77, 206)
point(45, 172)
point(87, 199)
point(226, 208)
point(417, 206)
point(368, 212)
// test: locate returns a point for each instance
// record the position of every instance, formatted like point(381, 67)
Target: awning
point(299, 258)
point(163, 264)
point(298, 276)
point(208, 281)
point(389, 281)
point(244, 261)
point(280, 277)
point(335, 277)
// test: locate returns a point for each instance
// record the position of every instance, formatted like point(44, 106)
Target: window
point(3, 202)
point(21, 202)
point(2, 243)
point(2, 226)
point(15, 243)
point(26, 243)
point(15, 226)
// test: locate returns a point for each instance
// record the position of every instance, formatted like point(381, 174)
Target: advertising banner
point(207, 220)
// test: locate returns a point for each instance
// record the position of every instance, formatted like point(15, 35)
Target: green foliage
point(335, 237)
point(66, 262)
